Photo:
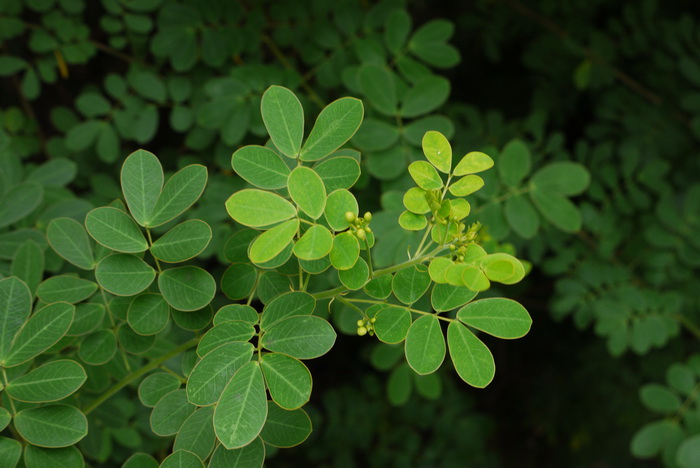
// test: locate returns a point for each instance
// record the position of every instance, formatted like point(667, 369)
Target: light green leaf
point(183, 242)
point(170, 412)
point(115, 229)
point(502, 318)
point(181, 191)
point(438, 269)
point(377, 84)
point(302, 337)
point(148, 314)
point(197, 434)
point(261, 167)
point(503, 268)
point(284, 428)
point(43, 329)
point(339, 203)
point(10, 452)
point(124, 274)
point(287, 305)
point(250, 456)
point(425, 175)
point(307, 190)
point(472, 359)
point(339, 172)
point(558, 210)
point(415, 200)
point(562, 178)
point(425, 96)
point(182, 459)
point(466, 185)
point(187, 288)
point(258, 208)
point(438, 150)
point(356, 276)
point(314, 244)
point(69, 239)
point(392, 324)
point(411, 283)
point(156, 386)
point(40, 457)
point(51, 382)
point(412, 222)
point(270, 243)
point(425, 345)
point(19, 202)
point(345, 251)
point(223, 333)
point(288, 380)
point(242, 408)
point(446, 297)
point(471, 277)
point(284, 119)
point(98, 347)
point(209, 377)
point(142, 180)
point(514, 163)
point(335, 125)
point(52, 426)
point(472, 163)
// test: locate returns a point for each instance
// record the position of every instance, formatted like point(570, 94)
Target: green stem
point(138, 373)
point(369, 258)
point(150, 244)
point(173, 373)
point(422, 241)
point(352, 306)
point(690, 326)
point(417, 311)
point(5, 381)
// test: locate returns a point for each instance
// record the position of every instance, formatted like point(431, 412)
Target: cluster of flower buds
point(463, 239)
point(359, 226)
point(365, 326)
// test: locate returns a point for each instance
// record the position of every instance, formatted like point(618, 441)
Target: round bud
point(368, 216)
point(461, 258)
point(361, 234)
point(362, 331)
point(349, 216)
point(368, 229)
point(360, 323)
point(452, 247)
point(373, 319)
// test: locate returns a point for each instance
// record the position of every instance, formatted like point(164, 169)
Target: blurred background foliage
point(607, 376)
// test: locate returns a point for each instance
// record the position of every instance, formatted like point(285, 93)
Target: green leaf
point(377, 84)
point(124, 274)
point(28, 264)
point(429, 44)
point(69, 239)
point(65, 289)
point(242, 409)
point(400, 386)
point(88, 316)
point(183, 242)
point(197, 434)
point(472, 359)
point(5, 418)
point(140, 460)
point(425, 175)
point(446, 297)
point(181, 191)
point(148, 85)
point(156, 386)
point(302, 337)
point(425, 96)
point(98, 348)
point(287, 305)
point(514, 163)
point(335, 125)
point(415, 200)
point(502, 318)
point(142, 181)
point(284, 119)
point(425, 345)
point(56, 172)
point(288, 380)
point(238, 281)
point(132, 342)
point(380, 287)
point(307, 190)
point(345, 251)
point(503, 268)
point(40, 457)
point(392, 324)
point(284, 428)
point(558, 210)
point(187, 288)
point(411, 283)
point(51, 426)
point(356, 276)
point(209, 377)
point(314, 244)
point(261, 167)
point(258, 208)
point(182, 459)
point(250, 456)
point(522, 217)
point(43, 329)
point(562, 178)
point(398, 26)
point(438, 269)
point(19, 202)
point(148, 314)
point(339, 203)
point(412, 222)
point(428, 386)
point(51, 382)
point(438, 151)
point(269, 244)
point(466, 185)
point(338, 172)
point(652, 438)
point(472, 163)
point(170, 412)
point(10, 452)
point(241, 312)
point(223, 333)
point(375, 136)
point(659, 398)
point(116, 230)
point(688, 454)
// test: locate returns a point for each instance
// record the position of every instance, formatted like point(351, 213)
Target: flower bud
point(368, 216)
point(349, 216)
point(362, 331)
point(361, 234)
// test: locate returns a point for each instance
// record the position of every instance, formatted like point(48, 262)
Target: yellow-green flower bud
point(368, 216)
point(362, 331)
point(349, 216)
point(360, 323)
point(361, 234)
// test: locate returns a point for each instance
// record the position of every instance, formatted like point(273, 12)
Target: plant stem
point(690, 326)
point(138, 373)
point(5, 381)
point(371, 301)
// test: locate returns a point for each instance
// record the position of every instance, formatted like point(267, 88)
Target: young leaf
point(170, 412)
point(115, 229)
point(223, 333)
point(124, 274)
point(52, 426)
point(287, 305)
point(187, 288)
point(392, 324)
point(69, 239)
point(412, 222)
point(338, 204)
point(181, 191)
point(242, 409)
point(515, 163)
point(261, 167)
point(425, 345)
point(284, 428)
point(472, 359)
point(183, 242)
point(288, 380)
point(142, 180)
point(269, 244)
point(438, 151)
point(503, 268)
point(258, 208)
point(415, 201)
point(197, 434)
point(302, 337)
point(473, 163)
point(335, 125)
point(307, 190)
point(345, 251)
point(411, 283)
point(51, 382)
point(502, 318)
point(425, 175)
point(339, 172)
point(284, 119)
point(438, 269)
point(314, 244)
point(252, 455)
